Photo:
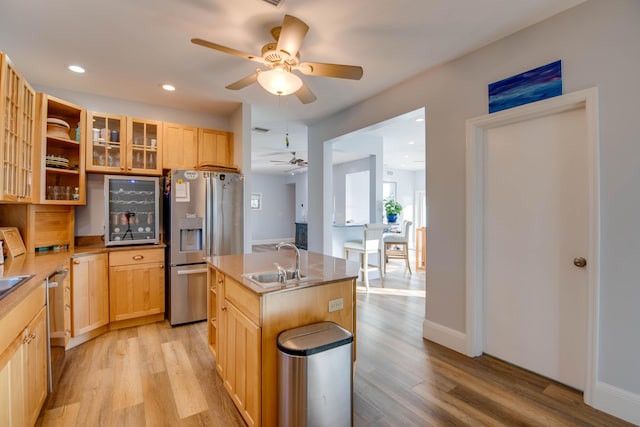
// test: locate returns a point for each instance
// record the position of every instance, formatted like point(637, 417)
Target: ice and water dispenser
point(191, 229)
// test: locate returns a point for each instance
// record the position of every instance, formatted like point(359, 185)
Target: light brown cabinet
point(36, 366)
point(89, 293)
point(106, 148)
point(242, 357)
point(62, 158)
point(215, 148)
point(180, 146)
point(136, 285)
point(123, 145)
point(144, 147)
point(187, 147)
point(23, 361)
point(17, 128)
point(215, 280)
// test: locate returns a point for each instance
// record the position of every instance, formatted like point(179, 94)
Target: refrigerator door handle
point(208, 225)
point(193, 271)
point(216, 207)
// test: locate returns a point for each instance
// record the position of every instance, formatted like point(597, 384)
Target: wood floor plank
point(400, 378)
point(96, 407)
point(184, 384)
point(127, 384)
point(151, 355)
point(159, 408)
point(62, 416)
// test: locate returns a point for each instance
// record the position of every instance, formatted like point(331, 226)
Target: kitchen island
point(245, 318)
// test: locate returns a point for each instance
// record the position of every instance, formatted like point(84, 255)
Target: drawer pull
point(137, 257)
point(76, 262)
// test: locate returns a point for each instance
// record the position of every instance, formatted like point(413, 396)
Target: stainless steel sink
point(8, 284)
point(269, 279)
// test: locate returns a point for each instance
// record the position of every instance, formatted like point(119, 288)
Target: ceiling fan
point(296, 161)
point(281, 58)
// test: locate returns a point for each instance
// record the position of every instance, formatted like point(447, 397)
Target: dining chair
point(396, 245)
point(370, 244)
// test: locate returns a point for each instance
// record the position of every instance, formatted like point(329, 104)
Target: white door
point(535, 224)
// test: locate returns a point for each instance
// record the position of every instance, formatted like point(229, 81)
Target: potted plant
point(392, 209)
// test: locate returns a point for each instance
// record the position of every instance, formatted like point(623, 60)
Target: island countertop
point(322, 268)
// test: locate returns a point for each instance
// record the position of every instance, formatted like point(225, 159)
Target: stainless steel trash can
point(315, 376)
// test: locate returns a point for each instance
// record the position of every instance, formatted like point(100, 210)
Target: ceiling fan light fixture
point(279, 81)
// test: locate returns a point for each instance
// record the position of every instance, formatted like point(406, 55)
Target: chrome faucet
point(282, 273)
point(296, 272)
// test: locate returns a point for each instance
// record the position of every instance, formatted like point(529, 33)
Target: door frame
point(475, 141)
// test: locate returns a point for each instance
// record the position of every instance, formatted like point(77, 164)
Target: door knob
point(579, 262)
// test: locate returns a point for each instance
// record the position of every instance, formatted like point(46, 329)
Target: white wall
point(275, 222)
point(140, 110)
point(597, 43)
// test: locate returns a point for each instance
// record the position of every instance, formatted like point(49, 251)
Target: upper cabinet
point(106, 147)
point(123, 145)
point(17, 127)
point(62, 151)
point(180, 146)
point(215, 148)
point(144, 147)
point(188, 147)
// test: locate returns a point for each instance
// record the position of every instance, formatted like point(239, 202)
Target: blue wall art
point(533, 85)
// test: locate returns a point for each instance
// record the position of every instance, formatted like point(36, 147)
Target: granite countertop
point(42, 264)
point(321, 268)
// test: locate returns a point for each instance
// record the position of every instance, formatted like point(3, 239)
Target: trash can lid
point(314, 338)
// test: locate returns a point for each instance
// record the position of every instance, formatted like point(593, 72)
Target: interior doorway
point(532, 214)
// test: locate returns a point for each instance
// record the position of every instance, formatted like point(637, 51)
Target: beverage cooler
point(131, 210)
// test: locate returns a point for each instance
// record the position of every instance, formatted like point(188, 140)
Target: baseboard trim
point(617, 402)
point(450, 338)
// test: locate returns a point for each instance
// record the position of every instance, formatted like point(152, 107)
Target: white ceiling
point(130, 47)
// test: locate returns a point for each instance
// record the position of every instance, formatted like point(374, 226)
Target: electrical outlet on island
point(336, 305)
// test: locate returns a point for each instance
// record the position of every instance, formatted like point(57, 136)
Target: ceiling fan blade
point(244, 82)
point(352, 72)
point(228, 50)
point(305, 95)
point(291, 35)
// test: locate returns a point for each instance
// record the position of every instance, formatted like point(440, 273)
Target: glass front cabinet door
point(144, 138)
point(107, 148)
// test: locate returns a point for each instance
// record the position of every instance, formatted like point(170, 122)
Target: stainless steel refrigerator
point(202, 216)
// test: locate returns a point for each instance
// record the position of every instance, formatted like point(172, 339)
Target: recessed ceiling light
point(420, 119)
point(411, 142)
point(76, 69)
point(168, 87)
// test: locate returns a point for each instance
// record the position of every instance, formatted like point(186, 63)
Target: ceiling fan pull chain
point(286, 136)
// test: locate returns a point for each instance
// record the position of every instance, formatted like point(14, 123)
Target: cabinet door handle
point(137, 257)
point(76, 262)
point(223, 308)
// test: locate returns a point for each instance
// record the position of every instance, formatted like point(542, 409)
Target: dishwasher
point(58, 307)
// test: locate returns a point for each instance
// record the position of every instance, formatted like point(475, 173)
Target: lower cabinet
point(23, 363)
point(36, 365)
point(242, 358)
point(89, 293)
point(136, 284)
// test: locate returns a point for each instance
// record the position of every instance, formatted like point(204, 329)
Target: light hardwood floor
point(155, 375)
